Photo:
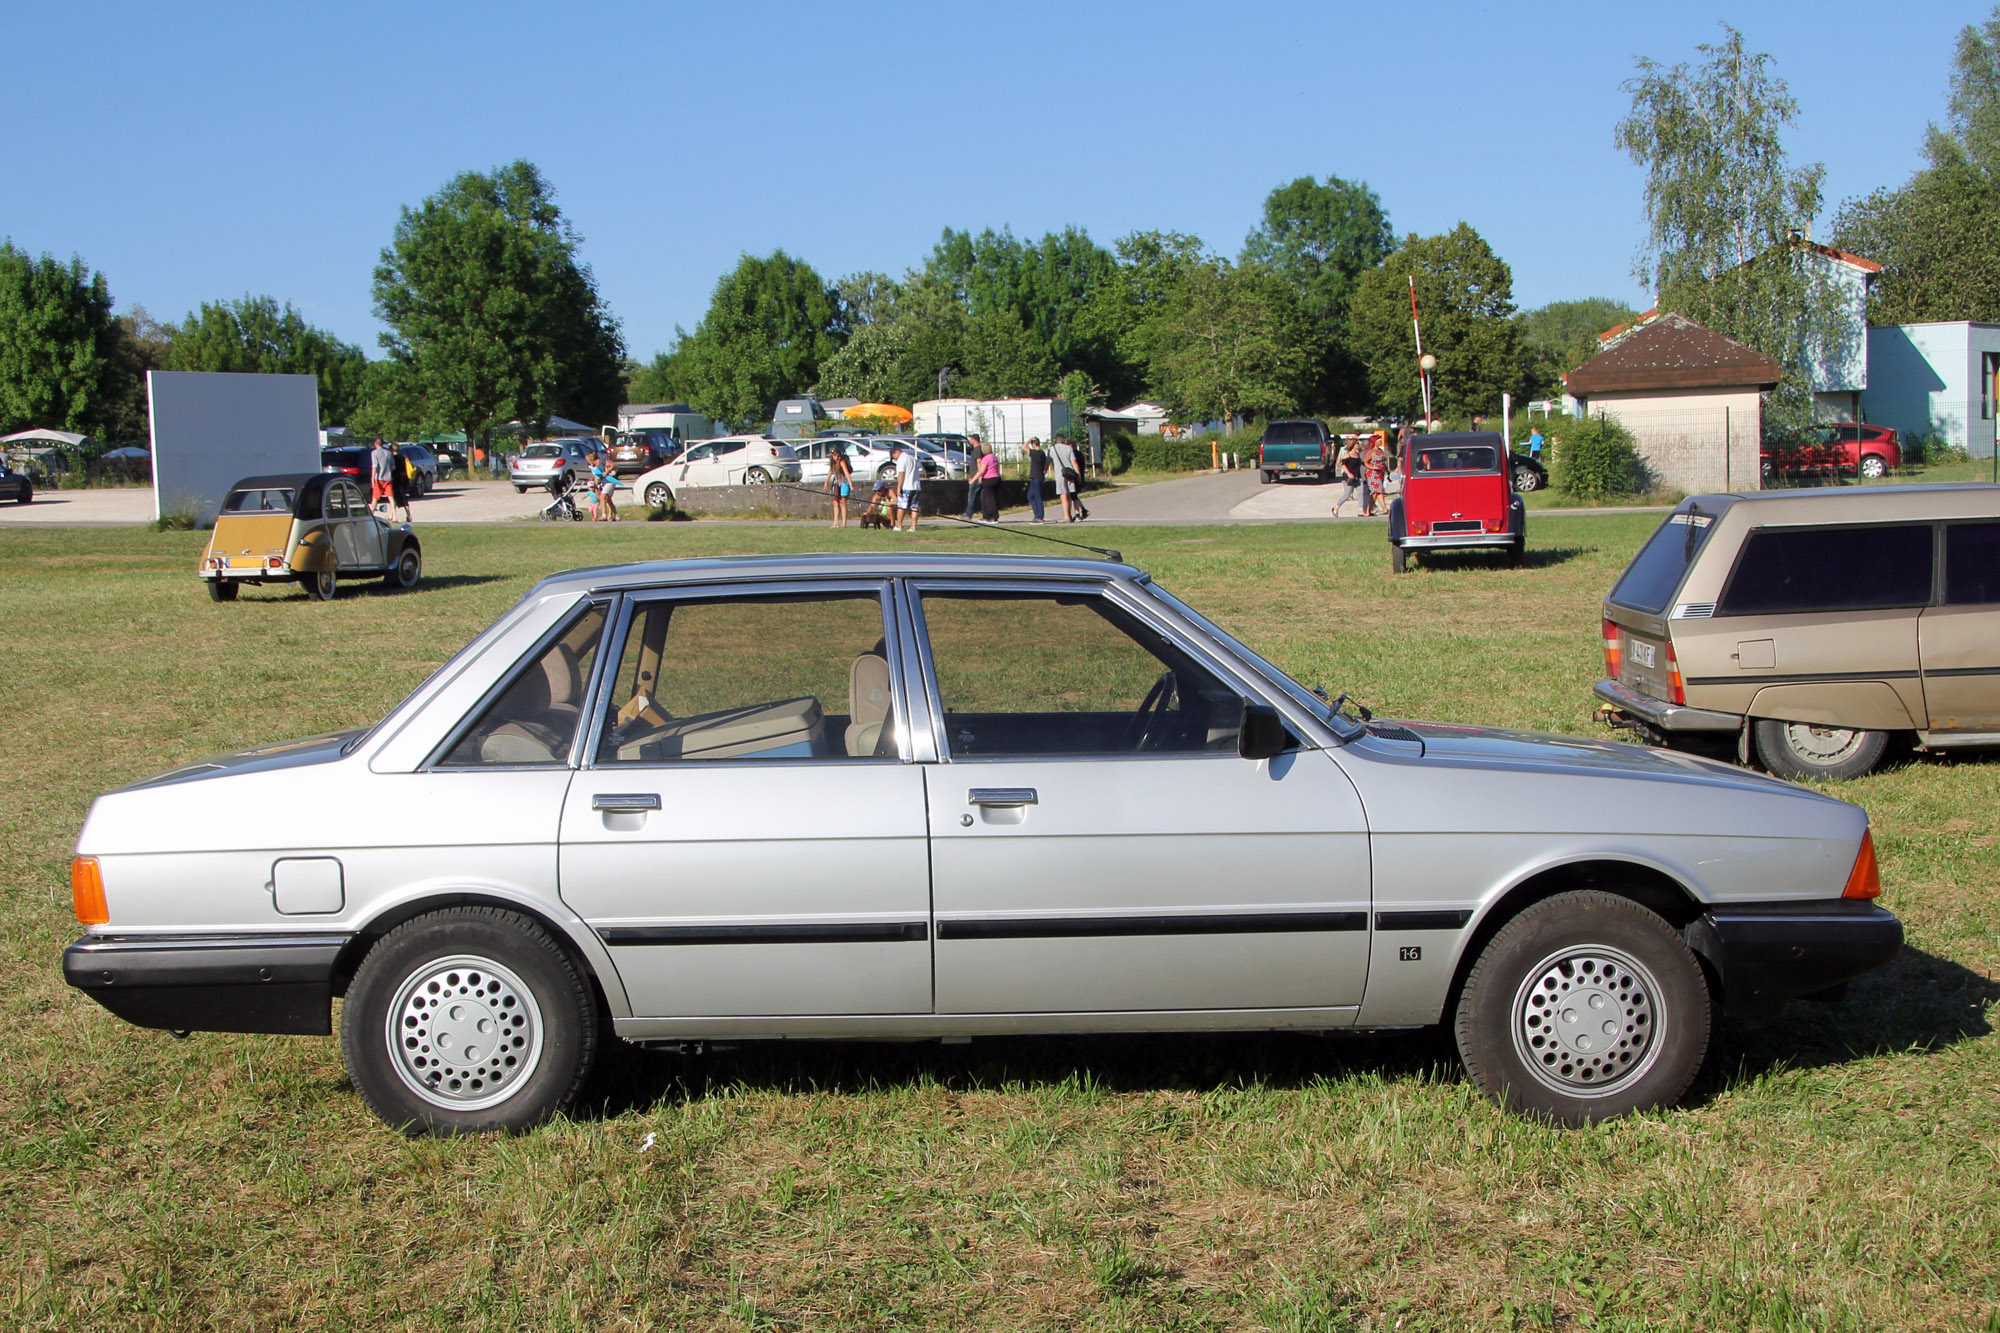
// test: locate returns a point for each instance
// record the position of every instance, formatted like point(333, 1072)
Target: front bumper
point(258, 982)
point(1768, 954)
point(1660, 714)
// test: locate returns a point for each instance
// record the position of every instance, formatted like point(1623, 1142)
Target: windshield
point(1649, 581)
point(1296, 692)
point(269, 499)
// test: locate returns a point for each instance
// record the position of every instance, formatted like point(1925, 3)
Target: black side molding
point(1768, 954)
point(211, 983)
point(813, 932)
point(1081, 927)
point(1434, 920)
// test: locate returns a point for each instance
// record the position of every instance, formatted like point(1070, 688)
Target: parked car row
point(352, 460)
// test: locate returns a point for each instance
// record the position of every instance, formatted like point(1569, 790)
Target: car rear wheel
point(468, 1020)
point(520, 490)
point(1399, 559)
point(1874, 465)
point(659, 495)
point(223, 590)
point(1267, 478)
point(1802, 750)
point(319, 584)
point(1526, 479)
point(757, 476)
point(1517, 552)
point(408, 569)
point(1584, 1007)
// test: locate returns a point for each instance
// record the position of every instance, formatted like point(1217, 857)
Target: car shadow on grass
point(1546, 557)
point(1918, 1003)
point(382, 588)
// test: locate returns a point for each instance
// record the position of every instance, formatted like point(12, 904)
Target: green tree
point(59, 366)
point(1321, 239)
point(1228, 341)
point(1560, 336)
point(1725, 214)
point(770, 324)
point(489, 307)
point(1465, 294)
point(1933, 236)
point(141, 346)
point(390, 404)
point(1046, 286)
point(254, 336)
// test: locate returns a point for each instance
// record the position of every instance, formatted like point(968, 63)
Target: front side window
point(1785, 570)
point(751, 678)
point(1972, 564)
point(1037, 674)
point(334, 505)
point(534, 719)
point(698, 453)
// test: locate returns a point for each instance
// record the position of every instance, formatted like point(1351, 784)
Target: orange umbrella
point(886, 411)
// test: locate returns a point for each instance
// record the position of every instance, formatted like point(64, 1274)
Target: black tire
point(1526, 479)
point(757, 476)
point(1517, 552)
point(1874, 465)
point(512, 982)
point(1267, 478)
point(1585, 1007)
point(27, 495)
point(520, 490)
point(321, 585)
point(1399, 559)
point(223, 590)
point(1801, 751)
point(659, 495)
point(408, 569)
point(887, 472)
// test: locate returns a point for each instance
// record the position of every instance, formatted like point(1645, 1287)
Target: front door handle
point(1001, 796)
point(625, 803)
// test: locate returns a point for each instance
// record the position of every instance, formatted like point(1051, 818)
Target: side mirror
point(1262, 733)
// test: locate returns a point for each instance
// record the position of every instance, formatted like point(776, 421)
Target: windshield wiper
point(1339, 704)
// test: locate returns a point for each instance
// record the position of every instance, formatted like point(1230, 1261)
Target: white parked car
point(732, 460)
point(1019, 795)
point(873, 458)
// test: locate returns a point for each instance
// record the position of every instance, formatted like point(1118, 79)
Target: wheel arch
point(572, 933)
point(1650, 886)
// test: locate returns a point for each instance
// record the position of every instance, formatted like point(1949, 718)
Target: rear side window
point(1830, 569)
point(1972, 564)
point(1651, 578)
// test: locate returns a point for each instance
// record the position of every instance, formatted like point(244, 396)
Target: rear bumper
point(259, 982)
point(1457, 539)
point(1768, 954)
point(1660, 714)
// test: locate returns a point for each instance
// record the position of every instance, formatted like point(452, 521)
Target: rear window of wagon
point(1649, 581)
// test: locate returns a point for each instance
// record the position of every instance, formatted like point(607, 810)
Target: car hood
point(1499, 747)
point(322, 749)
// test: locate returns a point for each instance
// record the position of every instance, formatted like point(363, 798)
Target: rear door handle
point(629, 802)
point(1001, 796)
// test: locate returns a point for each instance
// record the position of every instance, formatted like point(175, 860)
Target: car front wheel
point(1802, 750)
point(409, 568)
point(659, 495)
point(27, 494)
point(1584, 1007)
point(468, 1020)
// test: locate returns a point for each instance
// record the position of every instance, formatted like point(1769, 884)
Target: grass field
point(1837, 1169)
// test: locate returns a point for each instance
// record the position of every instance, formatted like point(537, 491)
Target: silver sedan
point(1023, 796)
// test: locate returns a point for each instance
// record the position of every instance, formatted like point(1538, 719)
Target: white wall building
point(1941, 379)
point(1005, 424)
point(1150, 416)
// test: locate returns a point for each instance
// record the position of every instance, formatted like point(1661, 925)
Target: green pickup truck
point(1303, 448)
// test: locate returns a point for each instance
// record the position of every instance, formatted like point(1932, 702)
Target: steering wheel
point(1148, 725)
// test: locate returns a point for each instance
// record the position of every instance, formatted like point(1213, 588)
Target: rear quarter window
point(1872, 568)
point(1972, 564)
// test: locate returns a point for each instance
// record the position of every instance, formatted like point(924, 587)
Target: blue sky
point(202, 152)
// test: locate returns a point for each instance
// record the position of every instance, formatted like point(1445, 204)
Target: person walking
point(908, 484)
point(400, 480)
point(975, 450)
point(603, 488)
point(1375, 469)
point(1038, 471)
point(1351, 477)
point(1069, 478)
point(839, 482)
point(989, 486)
point(1535, 443)
point(381, 471)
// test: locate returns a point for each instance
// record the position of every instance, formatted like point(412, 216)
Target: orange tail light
point(1614, 650)
point(86, 891)
point(1676, 687)
point(1865, 880)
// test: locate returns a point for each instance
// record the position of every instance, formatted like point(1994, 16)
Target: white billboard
point(209, 430)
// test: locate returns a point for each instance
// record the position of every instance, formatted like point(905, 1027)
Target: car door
point(1958, 640)
point(1097, 842)
point(347, 515)
point(746, 835)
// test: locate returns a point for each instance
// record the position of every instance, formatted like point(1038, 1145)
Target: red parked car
point(1456, 493)
point(1848, 447)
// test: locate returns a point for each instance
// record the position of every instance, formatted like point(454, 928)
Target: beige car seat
point(538, 716)
point(867, 704)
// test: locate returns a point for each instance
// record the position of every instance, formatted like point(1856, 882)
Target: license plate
point(1643, 654)
point(1293, 467)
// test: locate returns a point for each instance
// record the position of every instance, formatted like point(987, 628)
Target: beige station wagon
point(309, 528)
point(1813, 628)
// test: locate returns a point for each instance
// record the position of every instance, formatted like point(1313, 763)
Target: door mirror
point(1262, 733)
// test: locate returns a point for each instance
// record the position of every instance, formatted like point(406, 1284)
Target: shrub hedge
point(1592, 458)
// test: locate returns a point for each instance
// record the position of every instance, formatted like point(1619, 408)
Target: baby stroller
point(565, 489)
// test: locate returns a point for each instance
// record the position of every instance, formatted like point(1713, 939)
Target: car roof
point(865, 564)
point(1823, 504)
point(1455, 439)
point(306, 488)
